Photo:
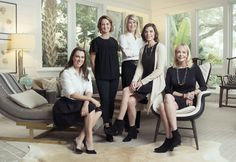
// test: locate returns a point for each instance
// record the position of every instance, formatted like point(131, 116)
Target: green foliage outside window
point(54, 33)
point(86, 26)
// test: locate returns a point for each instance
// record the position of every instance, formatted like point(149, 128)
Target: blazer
point(157, 76)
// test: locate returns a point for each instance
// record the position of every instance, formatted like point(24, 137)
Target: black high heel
point(75, 149)
point(88, 151)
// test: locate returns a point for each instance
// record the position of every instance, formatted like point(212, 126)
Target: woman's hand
point(84, 110)
point(189, 98)
point(189, 102)
point(139, 84)
point(189, 95)
point(134, 86)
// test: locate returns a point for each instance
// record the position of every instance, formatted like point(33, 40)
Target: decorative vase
point(26, 81)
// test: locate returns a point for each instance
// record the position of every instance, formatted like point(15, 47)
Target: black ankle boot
point(132, 134)
point(116, 129)
point(176, 140)
point(166, 146)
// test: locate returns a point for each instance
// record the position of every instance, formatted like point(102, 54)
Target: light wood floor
point(216, 127)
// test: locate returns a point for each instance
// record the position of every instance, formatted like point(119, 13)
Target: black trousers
point(107, 91)
point(128, 70)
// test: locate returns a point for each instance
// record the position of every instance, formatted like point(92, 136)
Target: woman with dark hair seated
point(76, 103)
point(148, 80)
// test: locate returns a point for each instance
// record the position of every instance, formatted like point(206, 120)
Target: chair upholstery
point(13, 111)
point(190, 113)
point(228, 82)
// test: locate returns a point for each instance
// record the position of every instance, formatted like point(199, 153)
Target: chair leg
point(221, 96)
point(157, 129)
point(226, 97)
point(195, 133)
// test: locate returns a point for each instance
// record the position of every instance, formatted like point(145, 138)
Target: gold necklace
point(185, 76)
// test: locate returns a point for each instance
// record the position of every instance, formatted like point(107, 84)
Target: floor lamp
point(21, 42)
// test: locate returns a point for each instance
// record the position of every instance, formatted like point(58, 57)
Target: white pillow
point(28, 99)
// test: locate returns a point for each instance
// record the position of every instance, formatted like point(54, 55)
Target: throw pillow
point(28, 99)
point(231, 80)
point(50, 84)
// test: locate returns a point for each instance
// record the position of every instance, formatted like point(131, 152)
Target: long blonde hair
point(189, 59)
point(135, 18)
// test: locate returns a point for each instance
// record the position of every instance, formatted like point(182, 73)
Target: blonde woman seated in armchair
point(180, 92)
point(76, 103)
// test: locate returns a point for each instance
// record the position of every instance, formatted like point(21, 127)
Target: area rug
point(209, 152)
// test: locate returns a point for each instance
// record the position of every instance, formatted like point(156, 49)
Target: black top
point(106, 61)
point(184, 84)
point(148, 60)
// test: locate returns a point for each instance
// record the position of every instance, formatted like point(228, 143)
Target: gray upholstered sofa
point(39, 117)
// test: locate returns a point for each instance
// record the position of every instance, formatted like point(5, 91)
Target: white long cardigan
point(157, 76)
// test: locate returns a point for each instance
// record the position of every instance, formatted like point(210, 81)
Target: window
point(54, 33)
point(117, 19)
point(180, 31)
point(210, 35)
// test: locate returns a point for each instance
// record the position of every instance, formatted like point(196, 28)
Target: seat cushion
point(19, 113)
point(186, 110)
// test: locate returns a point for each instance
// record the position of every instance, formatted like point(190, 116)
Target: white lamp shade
point(22, 41)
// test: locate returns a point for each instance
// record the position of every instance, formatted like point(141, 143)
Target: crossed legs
point(87, 132)
point(128, 104)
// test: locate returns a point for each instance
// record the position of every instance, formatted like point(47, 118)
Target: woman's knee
point(98, 113)
point(126, 90)
point(169, 98)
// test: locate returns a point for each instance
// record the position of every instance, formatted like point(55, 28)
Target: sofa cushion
point(28, 99)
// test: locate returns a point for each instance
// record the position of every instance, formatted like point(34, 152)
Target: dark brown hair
point(83, 68)
point(156, 37)
point(100, 22)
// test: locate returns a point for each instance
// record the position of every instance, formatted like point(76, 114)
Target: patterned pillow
point(51, 85)
point(231, 80)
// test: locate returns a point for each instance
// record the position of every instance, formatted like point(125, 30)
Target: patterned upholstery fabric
point(10, 83)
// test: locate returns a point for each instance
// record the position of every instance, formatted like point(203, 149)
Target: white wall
point(29, 21)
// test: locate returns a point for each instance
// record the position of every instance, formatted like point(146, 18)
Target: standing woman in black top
point(180, 92)
point(105, 65)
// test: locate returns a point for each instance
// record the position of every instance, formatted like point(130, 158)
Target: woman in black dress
point(105, 65)
point(180, 92)
point(147, 84)
point(76, 103)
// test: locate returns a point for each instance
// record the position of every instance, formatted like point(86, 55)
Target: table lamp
point(21, 42)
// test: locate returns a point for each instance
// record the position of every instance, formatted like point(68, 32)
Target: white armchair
point(190, 113)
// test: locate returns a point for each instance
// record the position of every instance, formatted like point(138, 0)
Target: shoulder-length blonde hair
point(135, 18)
point(189, 59)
